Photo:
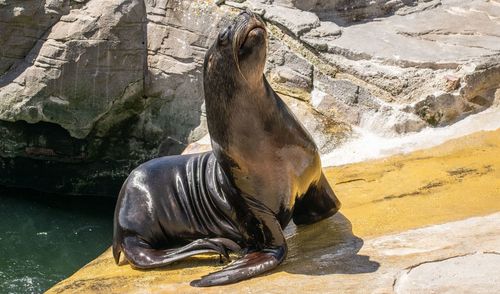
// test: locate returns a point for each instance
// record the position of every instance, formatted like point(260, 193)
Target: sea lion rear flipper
point(141, 255)
point(318, 203)
point(250, 265)
point(255, 262)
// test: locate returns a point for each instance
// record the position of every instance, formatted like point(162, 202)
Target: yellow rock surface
point(458, 179)
point(454, 181)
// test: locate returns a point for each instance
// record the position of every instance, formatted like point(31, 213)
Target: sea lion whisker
point(236, 45)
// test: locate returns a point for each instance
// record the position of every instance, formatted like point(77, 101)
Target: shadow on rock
point(327, 247)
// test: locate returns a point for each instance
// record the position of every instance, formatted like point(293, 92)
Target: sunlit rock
point(404, 220)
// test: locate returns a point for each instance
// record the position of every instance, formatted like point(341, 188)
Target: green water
point(44, 238)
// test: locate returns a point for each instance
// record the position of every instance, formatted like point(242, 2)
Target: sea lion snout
point(256, 35)
point(250, 20)
point(252, 40)
point(257, 32)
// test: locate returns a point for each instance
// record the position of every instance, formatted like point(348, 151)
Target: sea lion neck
point(248, 101)
point(258, 87)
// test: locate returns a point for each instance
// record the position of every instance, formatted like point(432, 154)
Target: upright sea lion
point(263, 171)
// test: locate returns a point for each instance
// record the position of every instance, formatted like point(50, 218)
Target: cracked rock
point(472, 273)
point(294, 20)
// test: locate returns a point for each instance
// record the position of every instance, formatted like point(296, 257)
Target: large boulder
point(90, 89)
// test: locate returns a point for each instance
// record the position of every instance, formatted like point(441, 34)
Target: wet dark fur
point(263, 171)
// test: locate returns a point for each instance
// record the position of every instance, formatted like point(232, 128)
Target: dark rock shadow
point(324, 248)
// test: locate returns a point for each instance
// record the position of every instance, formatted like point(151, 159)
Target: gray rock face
point(25, 22)
point(355, 105)
point(89, 60)
point(104, 86)
point(289, 73)
point(90, 89)
point(347, 11)
point(297, 21)
point(417, 61)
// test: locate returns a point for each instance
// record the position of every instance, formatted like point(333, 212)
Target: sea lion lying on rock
point(264, 170)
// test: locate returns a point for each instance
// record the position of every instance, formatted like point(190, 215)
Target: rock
point(354, 148)
point(400, 66)
point(202, 145)
point(294, 20)
point(452, 83)
point(406, 59)
point(457, 101)
point(319, 37)
point(438, 175)
point(47, 85)
point(479, 83)
point(442, 109)
point(327, 132)
point(240, 4)
point(23, 24)
point(385, 237)
point(456, 274)
point(116, 83)
point(65, 82)
point(345, 101)
point(289, 73)
point(441, 41)
point(360, 10)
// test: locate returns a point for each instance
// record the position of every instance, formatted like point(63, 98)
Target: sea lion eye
point(223, 36)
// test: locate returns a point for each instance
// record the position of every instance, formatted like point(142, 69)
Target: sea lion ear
point(318, 203)
point(224, 36)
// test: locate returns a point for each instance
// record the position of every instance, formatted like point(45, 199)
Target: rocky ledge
point(424, 222)
point(88, 90)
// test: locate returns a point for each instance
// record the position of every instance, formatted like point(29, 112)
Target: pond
point(46, 238)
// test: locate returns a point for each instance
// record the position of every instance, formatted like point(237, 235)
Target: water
point(45, 241)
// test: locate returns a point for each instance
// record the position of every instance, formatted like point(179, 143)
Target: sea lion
point(264, 170)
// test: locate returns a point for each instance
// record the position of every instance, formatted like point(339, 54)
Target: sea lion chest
point(275, 158)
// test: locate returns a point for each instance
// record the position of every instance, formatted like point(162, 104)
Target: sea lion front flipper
point(318, 203)
point(250, 265)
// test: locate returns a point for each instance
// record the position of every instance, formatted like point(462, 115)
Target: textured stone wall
point(114, 82)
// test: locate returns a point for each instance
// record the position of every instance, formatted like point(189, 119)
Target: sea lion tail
point(117, 249)
point(117, 240)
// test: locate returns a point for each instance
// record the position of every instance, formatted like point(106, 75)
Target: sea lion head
point(239, 52)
